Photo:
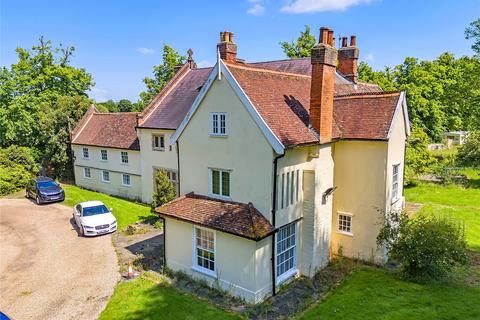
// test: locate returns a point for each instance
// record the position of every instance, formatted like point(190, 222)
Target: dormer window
point(219, 124)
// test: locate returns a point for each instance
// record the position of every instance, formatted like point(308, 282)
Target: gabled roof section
point(110, 130)
point(240, 219)
point(366, 116)
point(169, 107)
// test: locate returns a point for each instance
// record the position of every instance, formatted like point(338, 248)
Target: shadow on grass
point(150, 253)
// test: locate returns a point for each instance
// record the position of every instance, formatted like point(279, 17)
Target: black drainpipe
point(274, 209)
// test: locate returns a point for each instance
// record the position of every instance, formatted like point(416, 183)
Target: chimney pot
point(330, 37)
point(344, 42)
point(324, 35)
point(353, 41)
point(226, 47)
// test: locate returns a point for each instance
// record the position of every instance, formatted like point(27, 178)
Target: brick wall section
point(347, 62)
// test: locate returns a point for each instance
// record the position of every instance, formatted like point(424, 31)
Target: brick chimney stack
point(227, 48)
point(348, 59)
point(324, 61)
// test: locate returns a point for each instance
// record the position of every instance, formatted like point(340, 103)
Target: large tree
point(162, 73)
point(301, 47)
point(473, 32)
point(35, 100)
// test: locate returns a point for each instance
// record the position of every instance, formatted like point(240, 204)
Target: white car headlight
point(87, 227)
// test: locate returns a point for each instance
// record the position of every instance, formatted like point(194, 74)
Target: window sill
point(126, 185)
point(105, 181)
point(220, 197)
point(158, 149)
point(124, 164)
point(103, 160)
point(345, 233)
point(204, 271)
point(87, 178)
point(85, 158)
point(287, 275)
point(212, 135)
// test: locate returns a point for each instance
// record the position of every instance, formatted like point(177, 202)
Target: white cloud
point(308, 6)
point(145, 51)
point(98, 94)
point(257, 8)
point(204, 64)
point(370, 57)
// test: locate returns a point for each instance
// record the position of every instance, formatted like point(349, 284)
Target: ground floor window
point(105, 176)
point(204, 249)
point(125, 179)
point(286, 249)
point(345, 223)
point(87, 173)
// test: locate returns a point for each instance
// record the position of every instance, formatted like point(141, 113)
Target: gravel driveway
point(47, 271)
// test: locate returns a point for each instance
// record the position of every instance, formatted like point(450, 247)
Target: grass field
point(372, 293)
point(146, 298)
point(125, 211)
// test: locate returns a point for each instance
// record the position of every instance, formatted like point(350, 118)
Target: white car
point(94, 218)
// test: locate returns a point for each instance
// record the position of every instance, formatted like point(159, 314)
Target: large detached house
point(277, 164)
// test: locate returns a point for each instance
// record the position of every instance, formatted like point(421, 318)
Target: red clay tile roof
point(236, 218)
point(112, 130)
point(364, 116)
point(171, 105)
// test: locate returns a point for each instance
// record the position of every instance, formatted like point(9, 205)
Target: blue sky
point(119, 41)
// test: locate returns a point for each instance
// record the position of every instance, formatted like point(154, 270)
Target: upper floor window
point(395, 182)
point(104, 155)
point(220, 182)
point(158, 142)
point(219, 124)
point(124, 156)
point(86, 155)
point(288, 188)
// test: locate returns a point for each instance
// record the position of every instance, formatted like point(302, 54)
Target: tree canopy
point(162, 73)
point(301, 47)
point(473, 32)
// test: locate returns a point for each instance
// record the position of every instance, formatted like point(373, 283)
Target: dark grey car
point(44, 189)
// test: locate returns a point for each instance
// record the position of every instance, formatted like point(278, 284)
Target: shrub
point(469, 152)
point(164, 191)
point(427, 247)
point(418, 160)
point(17, 165)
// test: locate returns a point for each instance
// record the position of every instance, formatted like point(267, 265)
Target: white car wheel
point(38, 200)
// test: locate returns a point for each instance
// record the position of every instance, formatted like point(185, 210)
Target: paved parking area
point(47, 271)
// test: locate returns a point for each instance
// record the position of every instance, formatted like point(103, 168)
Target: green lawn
point(125, 211)
point(452, 201)
point(377, 294)
point(146, 298)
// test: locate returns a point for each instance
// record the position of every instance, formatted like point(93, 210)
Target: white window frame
point(103, 177)
point(123, 153)
point(89, 176)
point(129, 179)
point(221, 171)
point(170, 173)
point(294, 269)
point(395, 182)
point(195, 266)
point(160, 137)
point(102, 153)
point(345, 214)
point(216, 122)
point(85, 151)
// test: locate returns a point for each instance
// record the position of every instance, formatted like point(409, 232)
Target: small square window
point(124, 156)
point(86, 155)
point(126, 179)
point(158, 142)
point(87, 173)
point(104, 155)
point(344, 223)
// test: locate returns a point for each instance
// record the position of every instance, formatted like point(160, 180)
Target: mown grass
point(125, 211)
point(149, 297)
point(454, 201)
point(372, 293)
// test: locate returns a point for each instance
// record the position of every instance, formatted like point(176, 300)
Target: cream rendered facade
point(357, 170)
point(155, 158)
point(115, 168)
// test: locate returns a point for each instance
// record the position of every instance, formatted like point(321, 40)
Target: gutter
point(274, 209)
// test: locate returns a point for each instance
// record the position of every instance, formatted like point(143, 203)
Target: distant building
point(455, 138)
